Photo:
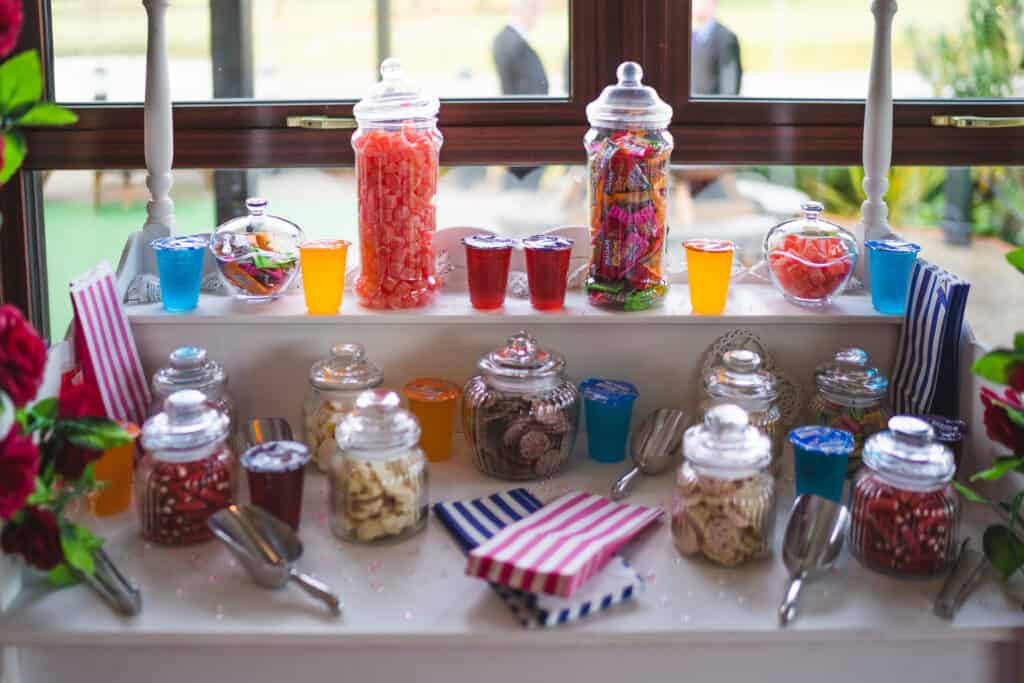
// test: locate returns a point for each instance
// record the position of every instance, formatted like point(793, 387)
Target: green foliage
point(95, 434)
point(21, 83)
point(997, 471)
point(995, 365)
point(1016, 259)
point(1004, 550)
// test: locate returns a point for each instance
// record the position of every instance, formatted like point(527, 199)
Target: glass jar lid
point(522, 357)
point(740, 378)
point(395, 99)
point(378, 423)
point(186, 429)
point(629, 103)
point(908, 454)
point(727, 443)
point(840, 244)
point(271, 238)
point(189, 368)
point(346, 369)
point(849, 378)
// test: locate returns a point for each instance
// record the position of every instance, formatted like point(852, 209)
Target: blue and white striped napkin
point(926, 376)
point(472, 522)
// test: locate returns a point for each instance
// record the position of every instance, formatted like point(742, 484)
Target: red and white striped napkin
point(556, 549)
point(106, 348)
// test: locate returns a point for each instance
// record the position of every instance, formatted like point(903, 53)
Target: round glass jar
point(397, 153)
point(628, 151)
point(850, 396)
point(904, 510)
point(520, 415)
point(188, 367)
point(378, 479)
point(741, 381)
point(335, 383)
point(810, 260)
point(258, 254)
point(724, 503)
point(187, 470)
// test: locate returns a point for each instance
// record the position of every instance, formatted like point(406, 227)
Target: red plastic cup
point(275, 471)
point(487, 259)
point(547, 270)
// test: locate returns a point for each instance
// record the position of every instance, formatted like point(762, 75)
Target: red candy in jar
point(397, 151)
point(186, 473)
point(905, 512)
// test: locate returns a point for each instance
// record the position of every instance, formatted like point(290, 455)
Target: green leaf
point(1014, 508)
point(995, 365)
point(41, 495)
point(1016, 259)
point(1003, 549)
point(21, 81)
point(79, 544)
point(95, 434)
point(997, 471)
point(44, 410)
point(1018, 342)
point(14, 153)
point(47, 114)
point(971, 495)
point(62, 576)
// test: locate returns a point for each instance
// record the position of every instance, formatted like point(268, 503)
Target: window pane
point(316, 49)
point(822, 50)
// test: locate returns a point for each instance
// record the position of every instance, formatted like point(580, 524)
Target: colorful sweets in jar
point(397, 151)
point(275, 472)
point(904, 510)
point(547, 270)
point(628, 150)
point(487, 261)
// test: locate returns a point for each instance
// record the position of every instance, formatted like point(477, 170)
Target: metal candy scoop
point(267, 548)
point(814, 537)
point(655, 447)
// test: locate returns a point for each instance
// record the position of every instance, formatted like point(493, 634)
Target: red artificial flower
point(19, 463)
point(1015, 380)
point(79, 400)
point(1001, 429)
point(35, 537)
point(22, 355)
point(11, 19)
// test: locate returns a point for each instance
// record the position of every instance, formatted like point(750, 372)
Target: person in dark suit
point(715, 66)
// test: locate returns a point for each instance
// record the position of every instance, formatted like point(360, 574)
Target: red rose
point(35, 537)
point(11, 19)
point(79, 400)
point(1015, 380)
point(72, 460)
point(19, 463)
point(1001, 430)
point(22, 355)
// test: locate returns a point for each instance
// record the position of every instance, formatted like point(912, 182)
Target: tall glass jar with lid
point(189, 367)
point(520, 415)
point(334, 384)
point(397, 150)
point(724, 504)
point(851, 395)
point(904, 510)
point(187, 470)
point(378, 480)
point(628, 150)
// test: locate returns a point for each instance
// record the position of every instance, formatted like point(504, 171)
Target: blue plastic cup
point(608, 405)
point(890, 264)
point(820, 456)
point(180, 262)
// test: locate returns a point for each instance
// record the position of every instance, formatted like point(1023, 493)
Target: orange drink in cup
point(433, 402)
point(323, 274)
point(709, 267)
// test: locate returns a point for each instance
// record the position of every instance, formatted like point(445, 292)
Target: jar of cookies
point(378, 477)
point(520, 415)
point(724, 505)
point(335, 383)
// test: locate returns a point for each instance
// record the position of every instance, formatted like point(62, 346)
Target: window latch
point(947, 121)
point(320, 122)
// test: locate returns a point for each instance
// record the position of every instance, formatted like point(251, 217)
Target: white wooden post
point(874, 223)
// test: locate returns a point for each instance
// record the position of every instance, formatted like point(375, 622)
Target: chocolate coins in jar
point(397, 150)
point(186, 472)
point(628, 149)
point(724, 504)
point(521, 414)
point(904, 510)
point(378, 478)
point(188, 367)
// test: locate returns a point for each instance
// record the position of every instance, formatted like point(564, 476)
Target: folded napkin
point(473, 522)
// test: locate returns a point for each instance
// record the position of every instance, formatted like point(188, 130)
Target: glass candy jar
point(334, 384)
point(378, 479)
point(904, 510)
point(851, 396)
point(186, 471)
point(397, 151)
point(258, 254)
point(520, 415)
point(628, 150)
point(188, 367)
point(810, 260)
point(724, 504)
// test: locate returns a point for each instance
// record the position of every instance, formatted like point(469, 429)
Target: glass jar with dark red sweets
point(905, 512)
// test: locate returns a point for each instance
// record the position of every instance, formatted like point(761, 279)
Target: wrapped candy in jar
point(378, 479)
point(397, 149)
point(186, 472)
point(628, 149)
point(334, 384)
point(904, 510)
point(188, 367)
point(724, 505)
point(521, 414)
point(851, 396)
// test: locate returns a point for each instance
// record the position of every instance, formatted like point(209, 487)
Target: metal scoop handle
point(624, 485)
point(319, 590)
point(787, 610)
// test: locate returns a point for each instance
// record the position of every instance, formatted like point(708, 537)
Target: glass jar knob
point(911, 430)
point(183, 407)
point(188, 358)
point(391, 69)
point(630, 74)
point(379, 401)
point(350, 354)
point(522, 348)
point(741, 360)
point(725, 421)
point(852, 356)
point(812, 210)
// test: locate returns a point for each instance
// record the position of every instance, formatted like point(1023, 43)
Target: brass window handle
point(949, 121)
point(320, 122)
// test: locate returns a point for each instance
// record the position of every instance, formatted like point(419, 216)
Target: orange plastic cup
point(115, 467)
point(709, 266)
point(323, 274)
point(433, 402)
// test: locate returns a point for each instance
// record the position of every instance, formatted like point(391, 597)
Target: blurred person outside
point(715, 66)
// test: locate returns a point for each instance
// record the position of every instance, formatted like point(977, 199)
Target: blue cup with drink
point(608, 405)
point(890, 264)
point(820, 457)
point(179, 261)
